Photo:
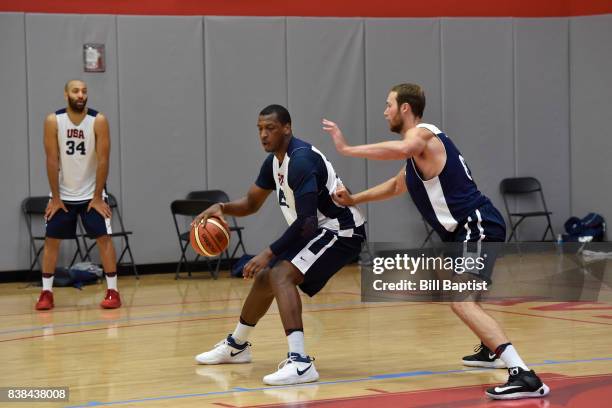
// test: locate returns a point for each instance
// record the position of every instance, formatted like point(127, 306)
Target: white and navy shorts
point(63, 225)
point(323, 256)
point(480, 236)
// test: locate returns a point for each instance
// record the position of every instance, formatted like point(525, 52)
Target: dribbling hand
point(215, 210)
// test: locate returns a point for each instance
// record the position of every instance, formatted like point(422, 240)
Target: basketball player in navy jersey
point(77, 146)
point(442, 188)
point(322, 238)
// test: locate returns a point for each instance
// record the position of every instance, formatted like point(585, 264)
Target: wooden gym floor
point(368, 354)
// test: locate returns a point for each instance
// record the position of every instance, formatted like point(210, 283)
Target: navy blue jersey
point(447, 200)
point(305, 169)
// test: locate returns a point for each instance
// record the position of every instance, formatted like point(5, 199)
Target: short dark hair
point(282, 114)
point(70, 81)
point(411, 94)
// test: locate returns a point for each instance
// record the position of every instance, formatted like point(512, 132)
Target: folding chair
point(429, 233)
point(521, 186)
point(122, 233)
point(189, 209)
point(34, 207)
point(218, 196)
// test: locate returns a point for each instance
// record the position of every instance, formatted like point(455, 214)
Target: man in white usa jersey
point(442, 187)
point(77, 146)
point(322, 238)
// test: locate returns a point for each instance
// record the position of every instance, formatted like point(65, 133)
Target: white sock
point(296, 342)
point(48, 283)
point(111, 283)
point(512, 359)
point(241, 333)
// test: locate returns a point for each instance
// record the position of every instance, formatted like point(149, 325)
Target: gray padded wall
point(495, 85)
point(398, 50)
point(477, 97)
point(591, 104)
point(55, 55)
point(542, 117)
point(245, 71)
point(14, 134)
point(325, 68)
point(161, 88)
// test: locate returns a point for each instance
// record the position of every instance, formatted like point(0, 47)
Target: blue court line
point(354, 380)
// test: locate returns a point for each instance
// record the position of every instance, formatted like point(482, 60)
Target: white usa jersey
point(306, 170)
point(77, 154)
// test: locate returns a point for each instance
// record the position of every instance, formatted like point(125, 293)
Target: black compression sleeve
point(303, 228)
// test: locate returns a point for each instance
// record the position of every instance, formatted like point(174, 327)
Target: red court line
point(95, 307)
point(190, 320)
point(549, 317)
point(567, 391)
point(395, 305)
point(533, 315)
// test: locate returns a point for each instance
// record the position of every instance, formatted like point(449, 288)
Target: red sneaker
point(112, 300)
point(45, 301)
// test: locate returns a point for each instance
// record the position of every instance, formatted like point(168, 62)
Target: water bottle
point(559, 244)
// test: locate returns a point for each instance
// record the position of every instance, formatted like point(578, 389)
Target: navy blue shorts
point(323, 256)
point(63, 225)
point(484, 224)
point(480, 236)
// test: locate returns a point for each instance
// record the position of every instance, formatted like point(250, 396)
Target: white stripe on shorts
point(469, 231)
point(109, 229)
point(305, 258)
point(480, 229)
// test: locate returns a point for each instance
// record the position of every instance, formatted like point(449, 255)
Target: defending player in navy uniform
point(442, 187)
point(77, 146)
point(322, 237)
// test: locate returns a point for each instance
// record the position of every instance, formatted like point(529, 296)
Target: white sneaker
point(226, 352)
point(294, 370)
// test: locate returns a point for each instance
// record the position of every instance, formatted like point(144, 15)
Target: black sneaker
point(483, 358)
point(521, 384)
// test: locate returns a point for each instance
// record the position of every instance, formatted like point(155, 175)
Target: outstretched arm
point(247, 205)
point(388, 189)
point(413, 144)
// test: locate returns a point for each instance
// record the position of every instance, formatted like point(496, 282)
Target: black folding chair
point(34, 208)
point(187, 210)
point(219, 196)
point(429, 234)
point(122, 233)
point(522, 186)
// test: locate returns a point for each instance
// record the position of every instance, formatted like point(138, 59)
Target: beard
point(75, 106)
point(396, 124)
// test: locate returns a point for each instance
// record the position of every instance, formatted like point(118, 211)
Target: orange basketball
point(209, 239)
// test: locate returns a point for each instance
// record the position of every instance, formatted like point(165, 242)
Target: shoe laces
point(291, 360)
point(45, 295)
point(478, 348)
point(285, 362)
point(111, 294)
point(225, 342)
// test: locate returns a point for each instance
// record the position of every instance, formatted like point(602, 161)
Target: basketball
point(210, 238)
